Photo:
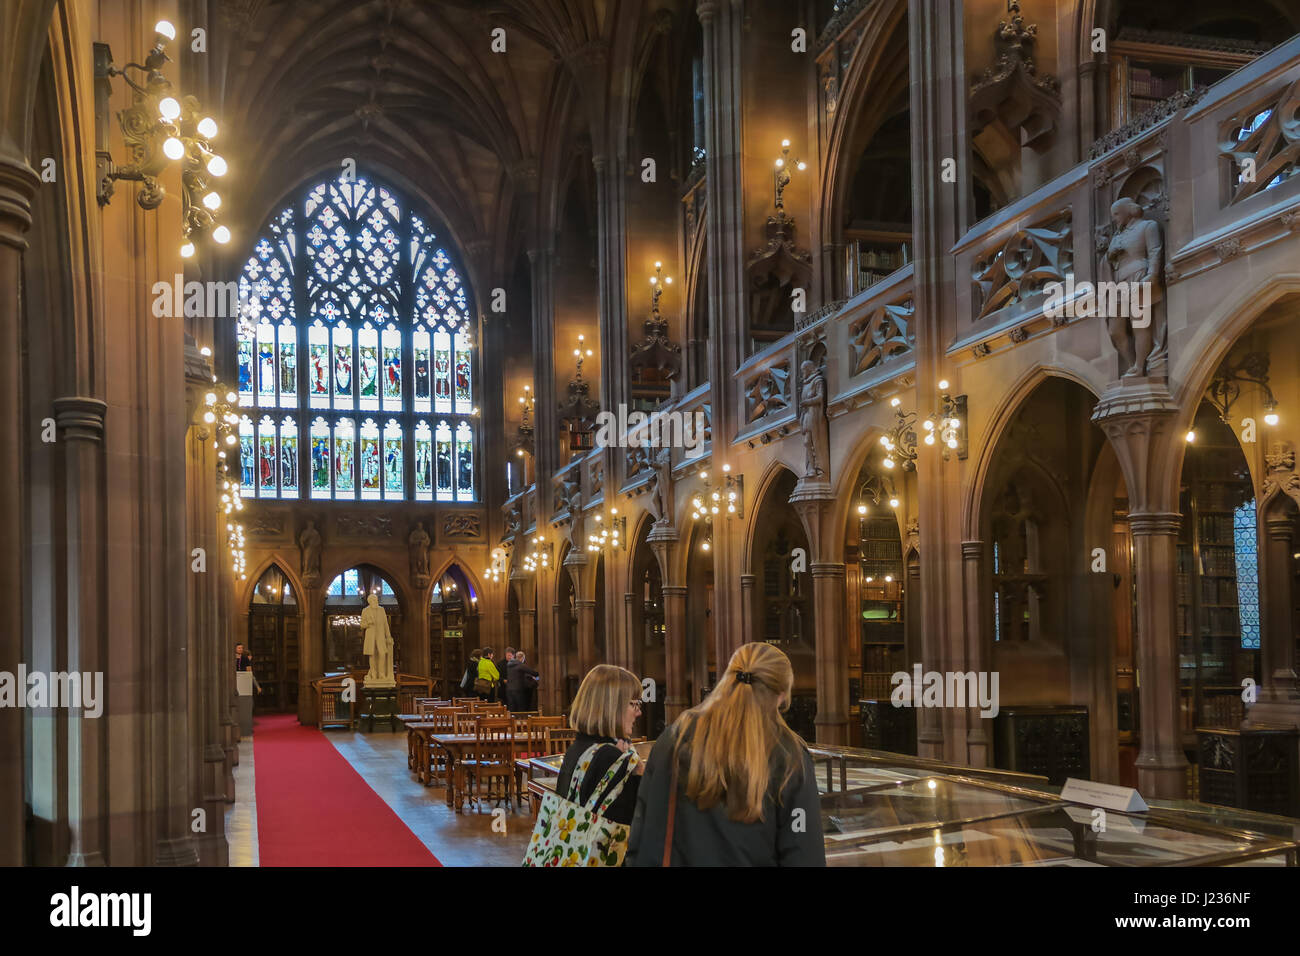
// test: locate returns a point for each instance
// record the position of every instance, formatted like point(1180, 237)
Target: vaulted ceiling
point(414, 90)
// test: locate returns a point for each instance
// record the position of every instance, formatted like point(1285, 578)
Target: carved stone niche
point(1011, 91)
point(462, 524)
point(773, 273)
point(1145, 185)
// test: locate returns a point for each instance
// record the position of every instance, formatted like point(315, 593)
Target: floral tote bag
point(568, 833)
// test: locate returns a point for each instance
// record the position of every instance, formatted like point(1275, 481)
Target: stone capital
point(1156, 523)
point(18, 185)
point(972, 550)
point(80, 417)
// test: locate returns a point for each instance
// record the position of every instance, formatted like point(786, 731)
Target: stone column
point(939, 92)
point(1278, 703)
point(675, 699)
point(1139, 419)
point(979, 729)
point(722, 28)
point(832, 665)
point(815, 503)
point(18, 184)
point(311, 646)
point(81, 427)
point(746, 610)
point(586, 609)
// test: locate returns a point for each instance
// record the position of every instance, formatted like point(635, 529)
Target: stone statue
point(309, 541)
point(1136, 255)
point(663, 491)
point(378, 644)
point(812, 419)
point(419, 545)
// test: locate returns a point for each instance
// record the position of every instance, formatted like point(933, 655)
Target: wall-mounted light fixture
point(539, 555)
point(721, 496)
point(158, 128)
point(497, 568)
point(782, 172)
point(946, 428)
point(1225, 387)
point(611, 532)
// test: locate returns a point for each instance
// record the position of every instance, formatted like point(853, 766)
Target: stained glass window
point(1245, 539)
point(355, 319)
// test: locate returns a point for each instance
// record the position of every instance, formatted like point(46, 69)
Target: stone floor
point(465, 839)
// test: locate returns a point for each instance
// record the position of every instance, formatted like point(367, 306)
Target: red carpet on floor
point(313, 809)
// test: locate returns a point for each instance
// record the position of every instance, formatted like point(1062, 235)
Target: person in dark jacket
point(745, 782)
point(471, 673)
point(504, 668)
point(603, 713)
point(520, 679)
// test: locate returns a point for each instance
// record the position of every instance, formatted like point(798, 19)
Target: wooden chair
point(493, 758)
point(466, 722)
point(558, 740)
point(537, 729)
point(444, 719)
point(459, 701)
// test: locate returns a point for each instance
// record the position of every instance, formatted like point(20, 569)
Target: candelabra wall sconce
point(524, 434)
point(221, 413)
point(497, 568)
point(1229, 378)
point(946, 428)
point(781, 173)
point(539, 555)
point(611, 532)
point(722, 496)
point(159, 128)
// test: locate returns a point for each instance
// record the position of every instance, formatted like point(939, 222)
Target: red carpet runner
point(313, 809)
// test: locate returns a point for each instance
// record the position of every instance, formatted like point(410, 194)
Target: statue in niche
point(663, 486)
point(1136, 256)
point(812, 420)
point(378, 644)
point(309, 541)
point(419, 545)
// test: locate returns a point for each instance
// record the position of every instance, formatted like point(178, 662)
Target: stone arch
point(1005, 410)
point(771, 474)
point(287, 567)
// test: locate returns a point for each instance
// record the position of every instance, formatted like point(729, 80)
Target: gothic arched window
point(354, 354)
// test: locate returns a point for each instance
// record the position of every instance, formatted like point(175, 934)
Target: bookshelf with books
point(1217, 588)
point(880, 605)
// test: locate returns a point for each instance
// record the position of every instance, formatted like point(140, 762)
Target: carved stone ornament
point(358, 525)
point(1136, 258)
point(418, 544)
point(883, 334)
point(309, 542)
point(1280, 471)
point(1023, 263)
point(462, 524)
point(1272, 146)
point(981, 349)
point(266, 524)
point(513, 520)
point(1011, 90)
point(813, 422)
point(768, 392)
point(774, 271)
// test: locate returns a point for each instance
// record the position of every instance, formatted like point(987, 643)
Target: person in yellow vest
point(488, 675)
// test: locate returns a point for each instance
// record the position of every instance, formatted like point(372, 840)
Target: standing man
point(505, 676)
point(243, 660)
point(520, 680)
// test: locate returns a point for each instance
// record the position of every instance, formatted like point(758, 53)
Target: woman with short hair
point(606, 706)
point(729, 783)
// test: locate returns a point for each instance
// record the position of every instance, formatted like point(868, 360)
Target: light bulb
point(780, 163)
point(164, 28)
point(889, 463)
point(221, 234)
point(173, 148)
point(802, 166)
point(209, 417)
point(1191, 435)
point(208, 127)
point(895, 402)
point(955, 422)
point(784, 143)
point(726, 468)
point(929, 438)
point(231, 397)
point(1271, 418)
point(889, 577)
point(210, 398)
point(212, 201)
point(943, 385)
point(217, 166)
point(230, 439)
point(952, 443)
point(929, 425)
point(169, 108)
point(862, 509)
point(884, 440)
point(893, 502)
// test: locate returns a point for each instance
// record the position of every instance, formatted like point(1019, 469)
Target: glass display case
point(885, 809)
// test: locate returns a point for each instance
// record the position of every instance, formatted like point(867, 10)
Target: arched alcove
point(345, 598)
point(273, 641)
point(453, 629)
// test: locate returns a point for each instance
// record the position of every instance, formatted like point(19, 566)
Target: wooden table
point(455, 745)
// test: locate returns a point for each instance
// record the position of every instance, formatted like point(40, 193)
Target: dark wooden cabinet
point(1254, 769)
point(1051, 741)
point(886, 727)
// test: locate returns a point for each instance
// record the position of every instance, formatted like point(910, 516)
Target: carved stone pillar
point(586, 636)
point(18, 184)
point(311, 648)
point(972, 564)
point(747, 599)
point(1139, 419)
point(1278, 703)
point(676, 699)
point(832, 670)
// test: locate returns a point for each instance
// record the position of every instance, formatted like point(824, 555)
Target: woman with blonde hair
point(606, 706)
point(729, 783)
